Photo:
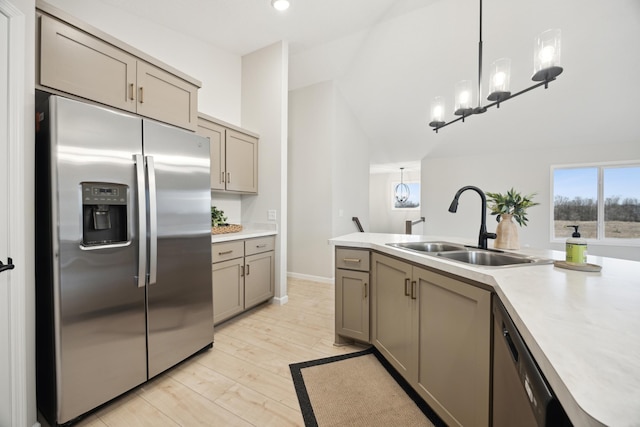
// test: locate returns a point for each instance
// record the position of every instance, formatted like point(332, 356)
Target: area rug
point(358, 389)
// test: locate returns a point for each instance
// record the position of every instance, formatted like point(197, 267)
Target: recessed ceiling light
point(280, 4)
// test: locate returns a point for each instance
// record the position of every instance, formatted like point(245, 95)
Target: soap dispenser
point(576, 247)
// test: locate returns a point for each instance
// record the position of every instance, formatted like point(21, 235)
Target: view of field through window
point(616, 215)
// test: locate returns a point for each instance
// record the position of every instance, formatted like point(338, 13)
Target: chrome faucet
point(483, 236)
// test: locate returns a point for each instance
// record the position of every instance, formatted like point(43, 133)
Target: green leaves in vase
point(512, 203)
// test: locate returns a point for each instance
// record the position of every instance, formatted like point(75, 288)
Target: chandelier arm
point(544, 83)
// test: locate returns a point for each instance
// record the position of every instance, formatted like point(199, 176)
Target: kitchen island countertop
point(582, 328)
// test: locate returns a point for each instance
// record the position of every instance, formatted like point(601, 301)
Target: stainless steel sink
point(469, 255)
point(493, 259)
point(428, 246)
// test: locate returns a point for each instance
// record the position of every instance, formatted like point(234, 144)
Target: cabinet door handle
point(406, 287)
point(354, 260)
point(365, 290)
point(141, 97)
point(131, 91)
point(242, 271)
point(248, 271)
point(222, 178)
point(228, 177)
point(413, 290)
point(225, 252)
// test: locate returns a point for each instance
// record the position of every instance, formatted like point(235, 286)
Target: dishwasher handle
point(512, 346)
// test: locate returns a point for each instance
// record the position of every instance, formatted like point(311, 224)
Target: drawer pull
point(354, 260)
point(261, 246)
point(225, 252)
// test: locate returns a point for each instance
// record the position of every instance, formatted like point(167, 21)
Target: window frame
point(600, 225)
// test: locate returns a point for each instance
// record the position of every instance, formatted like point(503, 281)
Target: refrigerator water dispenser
point(104, 213)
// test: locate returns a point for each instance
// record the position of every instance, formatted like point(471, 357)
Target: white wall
point(218, 70)
point(350, 170)
point(328, 166)
point(311, 141)
point(527, 171)
point(383, 218)
point(264, 111)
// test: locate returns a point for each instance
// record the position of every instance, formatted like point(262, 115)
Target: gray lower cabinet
point(242, 275)
point(352, 287)
point(454, 348)
point(258, 278)
point(394, 312)
point(435, 331)
point(228, 289)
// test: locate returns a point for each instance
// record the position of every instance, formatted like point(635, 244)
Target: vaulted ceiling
point(389, 58)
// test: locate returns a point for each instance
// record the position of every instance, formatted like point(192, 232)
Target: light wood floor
point(245, 379)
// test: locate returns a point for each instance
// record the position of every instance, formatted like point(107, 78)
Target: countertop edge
point(241, 235)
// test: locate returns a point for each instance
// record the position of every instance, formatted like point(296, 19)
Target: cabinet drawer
point(258, 245)
point(227, 250)
point(352, 259)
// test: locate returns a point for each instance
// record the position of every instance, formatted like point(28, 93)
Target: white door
point(17, 397)
point(5, 337)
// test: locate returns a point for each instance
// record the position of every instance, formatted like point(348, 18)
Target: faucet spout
point(483, 235)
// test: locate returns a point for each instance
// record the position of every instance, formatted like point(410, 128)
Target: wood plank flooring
point(245, 379)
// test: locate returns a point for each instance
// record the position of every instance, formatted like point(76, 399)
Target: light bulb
point(437, 112)
point(546, 54)
point(498, 78)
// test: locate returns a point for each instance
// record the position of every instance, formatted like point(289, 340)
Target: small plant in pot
point(511, 205)
point(217, 217)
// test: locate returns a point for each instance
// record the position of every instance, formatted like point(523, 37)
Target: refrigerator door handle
point(142, 221)
point(153, 220)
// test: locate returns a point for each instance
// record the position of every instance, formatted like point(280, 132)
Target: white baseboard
point(280, 301)
point(328, 280)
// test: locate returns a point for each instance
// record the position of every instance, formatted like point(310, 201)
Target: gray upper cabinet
point(234, 156)
point(242, 162)
point(78, 63)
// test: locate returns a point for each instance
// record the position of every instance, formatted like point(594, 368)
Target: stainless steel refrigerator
point(123, 253)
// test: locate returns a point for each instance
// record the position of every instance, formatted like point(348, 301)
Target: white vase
point(507, 233)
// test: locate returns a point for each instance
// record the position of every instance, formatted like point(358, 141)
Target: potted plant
point(217, 217)
point(508, 207)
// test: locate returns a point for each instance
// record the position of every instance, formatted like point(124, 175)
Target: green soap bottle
point(576, 247)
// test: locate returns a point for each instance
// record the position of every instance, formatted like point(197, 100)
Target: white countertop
point(583, 329)
point(241, 235)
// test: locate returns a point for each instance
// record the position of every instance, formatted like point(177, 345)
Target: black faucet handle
point(491, 235)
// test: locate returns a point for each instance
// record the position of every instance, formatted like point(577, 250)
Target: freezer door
point(99, 311)
point(179, 293)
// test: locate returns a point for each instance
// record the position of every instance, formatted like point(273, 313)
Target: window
point(413, 202)
point(603, 200)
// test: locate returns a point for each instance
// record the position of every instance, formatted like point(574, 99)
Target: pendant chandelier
point(546, 67)
point(402, 190)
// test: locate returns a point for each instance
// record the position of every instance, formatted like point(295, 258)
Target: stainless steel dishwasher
point(521, 395)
